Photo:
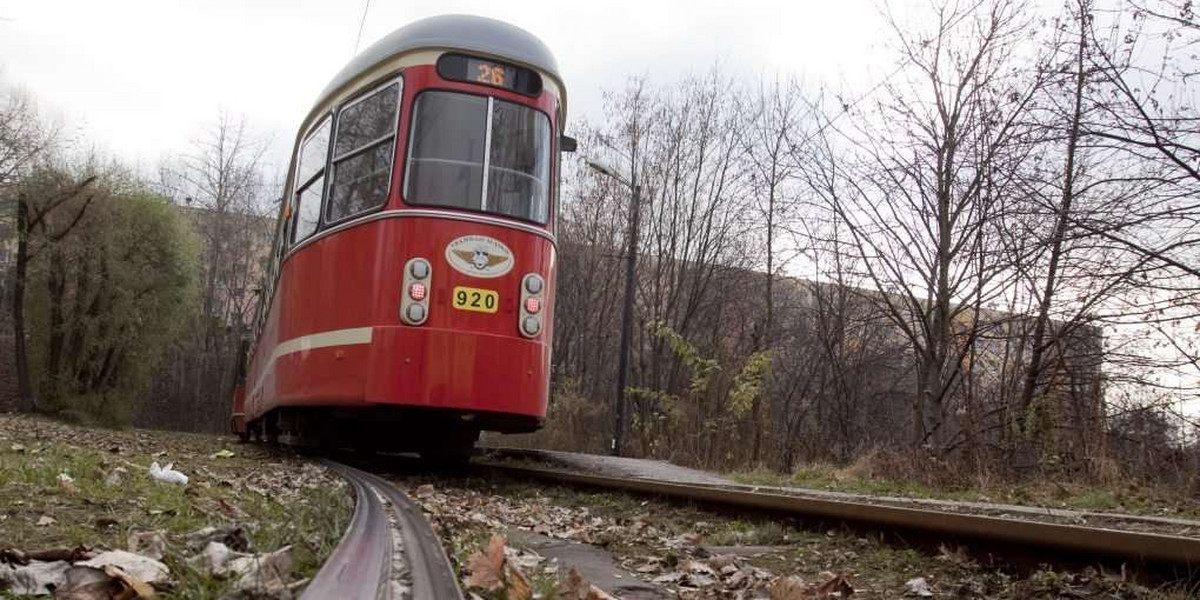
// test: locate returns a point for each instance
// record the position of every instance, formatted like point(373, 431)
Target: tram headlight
point(531, 326)
point(418, 268)
point(415, 313)
point(533, 284)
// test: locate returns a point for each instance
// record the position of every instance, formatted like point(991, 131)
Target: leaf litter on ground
point(694, 554)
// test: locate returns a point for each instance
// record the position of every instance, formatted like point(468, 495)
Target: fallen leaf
point(67, 483)
point(518, 586)
point(837, 585)
point(573, 587)
point(487, 568)
point(223, 453)
point(147, 543)
point(233, 511)
point(87, 583)
point(234, 536)
point(790, 588)
point(919, 587)
point(115, 477)
point(266, 574)
point(46, 520)
point(18, 448)
point(34, 579)
point(109, 583)
point(212, 560)
point(142, 568)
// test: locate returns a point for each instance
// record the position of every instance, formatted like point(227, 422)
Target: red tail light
point(533, 305)
point(417, 291)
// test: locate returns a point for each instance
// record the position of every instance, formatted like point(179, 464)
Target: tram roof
point(460, 32)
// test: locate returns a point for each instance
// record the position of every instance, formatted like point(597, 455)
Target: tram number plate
point(475, 299)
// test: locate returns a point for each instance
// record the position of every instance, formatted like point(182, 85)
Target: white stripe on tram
point(326, 339)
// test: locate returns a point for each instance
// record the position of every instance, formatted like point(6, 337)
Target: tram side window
point(310, 178)
point(362, 153)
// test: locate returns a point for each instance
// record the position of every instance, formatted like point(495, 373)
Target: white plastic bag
point(167, 474)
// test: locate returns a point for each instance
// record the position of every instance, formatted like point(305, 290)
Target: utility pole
point(627, 316)
point(635, 190)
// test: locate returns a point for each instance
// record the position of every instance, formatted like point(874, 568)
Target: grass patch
point(1117, 497)
point(279, 500)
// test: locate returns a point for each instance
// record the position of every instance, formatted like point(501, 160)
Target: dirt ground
point(90, 490)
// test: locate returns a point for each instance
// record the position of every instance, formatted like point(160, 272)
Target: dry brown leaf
point(147, 543)
point(109, 583)
point(573, 587)
point(134, 587)
point(106, 589)
point(790, 588)
point(518, 587)
point(487, 568)
point(836, 585)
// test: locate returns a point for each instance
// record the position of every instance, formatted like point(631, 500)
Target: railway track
point(389, 550)
point(1050, 542)
point(389, 539)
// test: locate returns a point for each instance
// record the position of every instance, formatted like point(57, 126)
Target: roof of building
point(461, 32)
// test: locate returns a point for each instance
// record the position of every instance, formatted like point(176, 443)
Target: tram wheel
point(453, 452)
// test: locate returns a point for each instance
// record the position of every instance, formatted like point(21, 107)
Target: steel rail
point(360, 566)
point(1087, 541)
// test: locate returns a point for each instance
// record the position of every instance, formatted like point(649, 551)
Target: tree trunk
point(26, 402)
point(56, 284)
point(1038, 345)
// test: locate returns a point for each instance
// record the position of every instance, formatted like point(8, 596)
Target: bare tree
point(221, 183)
point(772, 112)
point(930, 170)
point(220, 187)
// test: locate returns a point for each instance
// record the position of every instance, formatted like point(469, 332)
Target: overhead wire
point(361, 23)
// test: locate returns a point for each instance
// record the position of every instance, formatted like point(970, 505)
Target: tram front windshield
point(451, 145)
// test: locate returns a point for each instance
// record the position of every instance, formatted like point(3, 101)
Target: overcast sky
point(141, 77)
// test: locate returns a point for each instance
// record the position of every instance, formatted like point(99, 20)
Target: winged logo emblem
point(480, 256)
point(480, 259)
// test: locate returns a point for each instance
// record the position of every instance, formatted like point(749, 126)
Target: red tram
point(410, 296)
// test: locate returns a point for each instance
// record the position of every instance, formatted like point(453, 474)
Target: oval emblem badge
point(479, 256)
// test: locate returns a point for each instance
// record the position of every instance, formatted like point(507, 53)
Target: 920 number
point(475, 299)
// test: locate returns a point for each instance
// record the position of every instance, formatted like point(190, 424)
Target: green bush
point(108, 297)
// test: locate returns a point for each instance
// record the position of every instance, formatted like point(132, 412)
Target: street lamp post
point(627, 309)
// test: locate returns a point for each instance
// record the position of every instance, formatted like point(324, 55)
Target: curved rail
point(360, 568)
point(1135, 546)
